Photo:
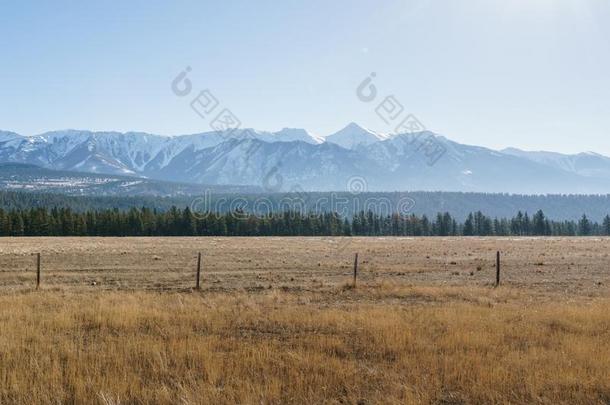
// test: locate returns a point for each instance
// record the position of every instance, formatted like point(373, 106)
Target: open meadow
point(277, 320)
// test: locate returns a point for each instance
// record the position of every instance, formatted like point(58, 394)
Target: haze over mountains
point(295, 159)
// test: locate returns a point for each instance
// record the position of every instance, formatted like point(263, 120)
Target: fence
point(197, 272)
point(300, 263)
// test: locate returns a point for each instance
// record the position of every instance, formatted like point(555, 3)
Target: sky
point(533, 74)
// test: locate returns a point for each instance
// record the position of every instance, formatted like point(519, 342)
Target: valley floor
point(277, 321)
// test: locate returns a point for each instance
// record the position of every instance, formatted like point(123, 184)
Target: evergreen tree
point(188, 223)
point(527, 228)
point(425, 226)
point(606, 226)
point(469, 225)
point(517, 224)
point(538, 223)
point(17, 225)
point(584, 226)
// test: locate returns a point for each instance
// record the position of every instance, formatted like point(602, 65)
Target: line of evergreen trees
point(183, 222)
point(458, 204)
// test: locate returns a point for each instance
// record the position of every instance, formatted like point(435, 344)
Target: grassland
point(277, 321)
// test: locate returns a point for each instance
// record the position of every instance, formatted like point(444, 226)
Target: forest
point(184, 222)
point(458, 204)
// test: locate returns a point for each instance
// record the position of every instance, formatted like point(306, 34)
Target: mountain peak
point(297, 134)
point(353, 125)
point(353, 135)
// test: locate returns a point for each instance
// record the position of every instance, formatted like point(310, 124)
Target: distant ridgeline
point(184, 222)
point(459, 205)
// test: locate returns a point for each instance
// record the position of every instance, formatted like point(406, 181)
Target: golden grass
point(574, 267)
point(403, 345)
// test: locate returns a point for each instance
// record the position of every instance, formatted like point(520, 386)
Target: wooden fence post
point(197, 285)
point(355, 269)
point(497, 268)
point(37, 271)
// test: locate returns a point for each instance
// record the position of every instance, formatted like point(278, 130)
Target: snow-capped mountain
point(297, 134)
point(274, 166)
point(589, 164)
point(353, 136)
point(294, 158)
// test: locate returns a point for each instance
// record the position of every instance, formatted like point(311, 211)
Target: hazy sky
point(528, 73)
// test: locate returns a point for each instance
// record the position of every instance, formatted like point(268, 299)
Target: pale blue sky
point(528, 73)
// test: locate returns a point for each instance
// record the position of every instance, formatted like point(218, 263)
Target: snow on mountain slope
point(101, 152)
point(123, 153)
point(465, 168)
point(9, 143)
point(353, 136)
point(248, 157)
point(91, 157)
point(589, 164)
point(274, 166)
point(6, 136)
point(297, 134)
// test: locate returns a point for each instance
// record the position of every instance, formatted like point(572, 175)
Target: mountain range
point(294, 159)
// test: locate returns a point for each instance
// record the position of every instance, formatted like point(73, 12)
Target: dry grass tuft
point(282, 347)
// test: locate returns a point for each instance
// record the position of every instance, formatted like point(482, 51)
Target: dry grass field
point(277, 321)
